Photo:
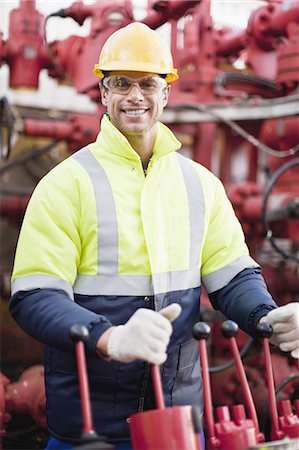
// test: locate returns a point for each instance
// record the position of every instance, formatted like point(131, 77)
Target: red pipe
point(48, 128)
point(230, 42)
point(172, 10)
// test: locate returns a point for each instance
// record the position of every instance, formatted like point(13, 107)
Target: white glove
point(145, 336)
point(285, 324)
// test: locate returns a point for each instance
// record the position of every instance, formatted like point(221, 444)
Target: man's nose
point(135, 92)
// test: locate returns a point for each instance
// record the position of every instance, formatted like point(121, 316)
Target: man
point(119, 237)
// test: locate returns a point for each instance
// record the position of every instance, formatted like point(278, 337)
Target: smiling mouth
point(134, 112)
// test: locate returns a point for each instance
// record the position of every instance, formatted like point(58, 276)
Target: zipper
point(143, 388)
point(146, 371)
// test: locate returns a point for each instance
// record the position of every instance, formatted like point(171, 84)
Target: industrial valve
point(176, 428)
point(24, 51)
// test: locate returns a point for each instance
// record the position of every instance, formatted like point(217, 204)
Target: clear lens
point(122, 85)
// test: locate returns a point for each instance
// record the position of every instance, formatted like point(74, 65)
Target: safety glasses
point(122, 85)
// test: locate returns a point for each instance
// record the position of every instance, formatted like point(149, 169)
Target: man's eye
point(148, 84)
point(122, 83)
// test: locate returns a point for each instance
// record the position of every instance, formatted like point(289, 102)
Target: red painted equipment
point(24, 51)
point(288, 419)
point(79, 334)
point(212, 98)
point(76, 129)
point(27, 395)
point(237, 433)
point(4, 416)
point(175, 428)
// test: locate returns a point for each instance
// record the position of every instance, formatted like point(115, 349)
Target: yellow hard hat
point(136, 47)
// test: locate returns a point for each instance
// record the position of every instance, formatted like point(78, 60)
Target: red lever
point(89, 438)
point(229, 330)
point(158, 391)
point(237, 434)
point(79, 334)
point(287, 424)
point(201, 332)
point(265, 331)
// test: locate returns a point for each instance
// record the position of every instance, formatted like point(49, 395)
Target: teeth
point(135, 112)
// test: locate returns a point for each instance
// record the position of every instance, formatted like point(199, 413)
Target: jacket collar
point(112, 140)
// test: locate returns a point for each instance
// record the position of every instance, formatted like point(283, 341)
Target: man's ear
point(104, 93)
point(166, 95)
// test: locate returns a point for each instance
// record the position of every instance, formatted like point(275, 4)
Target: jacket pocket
point(187, 388)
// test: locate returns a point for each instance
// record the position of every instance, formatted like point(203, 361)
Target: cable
point(264, 414)
point(241, 132)
point(231, 362)
point(224, 78)
point(269, 232)
point(27, 157)
point(286, 381)
point(60, 70)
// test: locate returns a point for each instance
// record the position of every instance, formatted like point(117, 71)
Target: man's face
point(137, 111)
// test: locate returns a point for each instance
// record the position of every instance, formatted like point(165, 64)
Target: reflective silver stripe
point(113, 285)
point(41, 281)
point(136, 284)
point(222, 277)
point(106, 213)
point(108, 282)
point(177, 280)
point(196, 209)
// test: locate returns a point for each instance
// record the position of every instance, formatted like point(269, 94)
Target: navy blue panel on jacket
point(117, 389)
point(245, 299)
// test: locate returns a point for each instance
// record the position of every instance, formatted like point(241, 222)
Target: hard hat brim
point(138, 67)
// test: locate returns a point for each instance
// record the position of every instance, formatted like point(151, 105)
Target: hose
point(241, 132)
point(231, 362)
point(269, 232)
point(286, 381)
point(224, 78)
point(265, 418)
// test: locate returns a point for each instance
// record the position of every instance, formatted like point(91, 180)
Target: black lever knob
point(79, 332)
point(229, 328)
point(264, 330)
point(201, 330)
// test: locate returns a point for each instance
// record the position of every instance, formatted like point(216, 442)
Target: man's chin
point(135, 131)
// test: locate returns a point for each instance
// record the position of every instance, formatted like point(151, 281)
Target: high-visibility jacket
point(100, 239)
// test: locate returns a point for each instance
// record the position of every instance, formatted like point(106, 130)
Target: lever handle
point(201, 330)
point(229, 329)
point(264, 330)
point(79, 332)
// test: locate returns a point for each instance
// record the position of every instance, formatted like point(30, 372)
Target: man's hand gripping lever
point(145, 336)
point(285, 324)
